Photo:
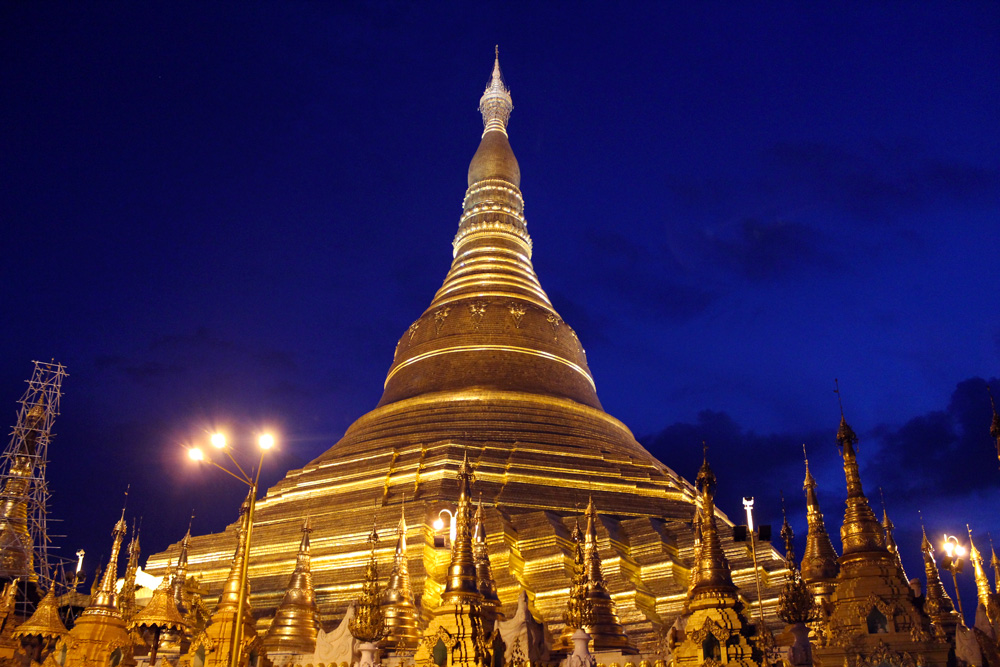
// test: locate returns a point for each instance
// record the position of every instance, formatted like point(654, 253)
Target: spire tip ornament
point(496, 104)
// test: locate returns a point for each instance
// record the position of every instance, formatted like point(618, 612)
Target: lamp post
point(264, 442)
point(952, 561)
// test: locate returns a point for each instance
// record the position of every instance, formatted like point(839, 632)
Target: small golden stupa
point(296, 623)
point(401, 627)
point(100, 636)
point(873, 618)
point(819, 561)
point(715, 628)
point(456, 635)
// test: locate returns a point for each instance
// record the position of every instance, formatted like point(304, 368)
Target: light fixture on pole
point(952, 561)
point(264, 443)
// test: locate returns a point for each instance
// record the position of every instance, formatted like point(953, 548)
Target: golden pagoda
point(819, 561)
point(491, 370)
point(873, 618)
point(296, 623)
point(715, 629)
point(456, 635)
point(401, 632)
point(99, 637)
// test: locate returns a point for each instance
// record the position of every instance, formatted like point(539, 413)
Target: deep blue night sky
point(226, 216)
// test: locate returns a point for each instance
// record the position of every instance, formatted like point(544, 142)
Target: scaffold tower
point(24, 493)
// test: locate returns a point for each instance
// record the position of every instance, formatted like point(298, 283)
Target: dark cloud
point(937, 450)
point(643, 277)
point(883, 181)
point(761, 251)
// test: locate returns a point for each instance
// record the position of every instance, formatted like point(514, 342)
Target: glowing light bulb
point(218, 440)
point(196, 454)
point(438, 524)
point(266, 441)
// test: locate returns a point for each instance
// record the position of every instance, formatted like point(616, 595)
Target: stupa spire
point(496, 103)
point(484, 573)
point(861, 531)
point(104, 599)
point(983, 591)
point(126, 596)
point(296, 622)
point(605, 630)
point(491, 301)
point(795, 603)
point(182, 563)
point(462, 574)
point(229, 599)
point(712, 568)
point(937, 603)
point(890, 540)
point(368, 623)
point(397, 602)
point(995, 564)
point(819, 561)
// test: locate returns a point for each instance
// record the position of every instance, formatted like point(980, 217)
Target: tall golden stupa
point(489, 371)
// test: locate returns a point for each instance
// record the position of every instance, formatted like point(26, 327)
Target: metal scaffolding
point(24, 493)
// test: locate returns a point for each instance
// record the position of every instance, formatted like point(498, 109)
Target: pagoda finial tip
point(496, 104)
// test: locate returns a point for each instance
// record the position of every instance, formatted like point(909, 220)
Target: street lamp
point(952, 561)
point(439, 526)
point(264, 443)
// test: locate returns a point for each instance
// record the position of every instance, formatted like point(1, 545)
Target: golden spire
point(890, 540)
point(937, 604)
point(819, 561)
point(230, 598)
point(491, 300)
point(296, 622)
point(182, 562)
point(995, 564)
point(484, 573)
point(45, 622)
point(100, 632)
point(368, 623)
point(104, 599)
point(795, 603)
point(462, 572)
point(982, 582)
point(861, 531)
point(605, 629)
point(400, 615)
point(496, 103)
point(712, 568)
point(126, 596)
